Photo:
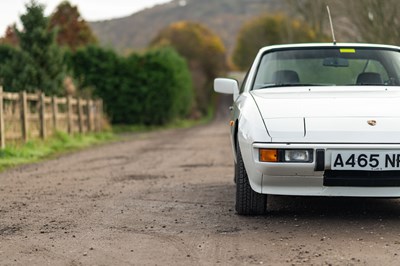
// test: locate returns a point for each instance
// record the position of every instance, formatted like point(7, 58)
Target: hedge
point(153, 88)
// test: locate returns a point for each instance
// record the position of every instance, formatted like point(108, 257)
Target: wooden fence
point(24, 116)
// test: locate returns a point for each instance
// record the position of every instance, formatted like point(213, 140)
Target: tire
point(234, 173)
point(248, 202)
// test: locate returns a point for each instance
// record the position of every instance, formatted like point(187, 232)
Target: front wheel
point(248, 202)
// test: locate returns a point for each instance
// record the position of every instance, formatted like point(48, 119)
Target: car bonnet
point(327, 115)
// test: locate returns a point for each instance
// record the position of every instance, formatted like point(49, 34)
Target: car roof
point(328, 45)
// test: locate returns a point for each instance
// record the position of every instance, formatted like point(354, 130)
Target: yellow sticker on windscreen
point(347, 50)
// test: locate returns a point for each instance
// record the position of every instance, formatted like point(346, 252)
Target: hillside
point(224, 17)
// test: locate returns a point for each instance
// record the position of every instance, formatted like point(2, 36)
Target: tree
point(10, 37)
point(376, 21)
point(39, 57)
point(373, 21)
point(267, 30)
point(72, 29)
point(312, 11)
point(204, 51)
point(18, 73)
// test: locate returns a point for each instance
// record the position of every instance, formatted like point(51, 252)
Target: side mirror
point(227, 86)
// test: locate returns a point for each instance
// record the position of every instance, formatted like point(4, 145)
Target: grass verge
point(36, 150)
point(61, 142)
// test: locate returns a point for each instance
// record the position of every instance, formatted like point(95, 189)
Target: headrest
point(369, 78)
point(285, 77)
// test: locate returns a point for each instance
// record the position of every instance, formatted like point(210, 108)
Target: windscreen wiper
point(290, 85)
point(368, 84)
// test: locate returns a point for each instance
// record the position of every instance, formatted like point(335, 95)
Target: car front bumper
point(307, 179)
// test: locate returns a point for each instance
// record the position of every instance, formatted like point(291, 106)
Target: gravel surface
point(167, 198)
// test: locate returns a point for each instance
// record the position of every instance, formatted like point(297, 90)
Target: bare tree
point(377, 21)
point(312, 11)
point(374, 21)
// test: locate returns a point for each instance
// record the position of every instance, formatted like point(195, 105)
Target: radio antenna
point(330, 20)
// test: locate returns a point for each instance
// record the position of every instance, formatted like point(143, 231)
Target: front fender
point(251, 128)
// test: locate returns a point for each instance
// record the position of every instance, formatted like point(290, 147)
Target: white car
point(316, 120)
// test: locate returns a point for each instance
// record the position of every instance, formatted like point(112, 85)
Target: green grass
point(36, 150)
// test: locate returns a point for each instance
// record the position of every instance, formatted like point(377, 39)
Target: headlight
point(283, 155)
point(297, 155)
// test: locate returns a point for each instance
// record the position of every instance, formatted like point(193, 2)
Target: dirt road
point(167, 198)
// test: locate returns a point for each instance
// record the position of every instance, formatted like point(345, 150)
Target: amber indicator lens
point(268, 155)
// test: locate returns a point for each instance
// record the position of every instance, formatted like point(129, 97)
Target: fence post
point(89, 114)
point(69, 113)
point(2, 129)
point(42, 115)
point(101, 114)
point(80, 115)
point(24, 115)
point(96, 116)
point(54, 109)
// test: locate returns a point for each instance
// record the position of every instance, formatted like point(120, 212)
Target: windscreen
point(328, 67)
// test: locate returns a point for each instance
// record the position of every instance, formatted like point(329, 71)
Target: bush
point(268, 30)
point(151, 89)
point(204, 51)
point(163, 88)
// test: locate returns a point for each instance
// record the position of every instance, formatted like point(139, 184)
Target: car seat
point(369, 78)
point(285, 77)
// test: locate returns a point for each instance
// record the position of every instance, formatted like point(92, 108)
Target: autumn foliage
point(10, 36)
point(72, 29)
point(204, 51)
point(268, 30)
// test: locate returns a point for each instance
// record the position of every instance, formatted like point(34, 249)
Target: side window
point(376, 66)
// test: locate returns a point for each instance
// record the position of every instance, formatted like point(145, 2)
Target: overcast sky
point(10, 10)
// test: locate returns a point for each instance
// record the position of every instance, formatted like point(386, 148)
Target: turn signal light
point(286, 155)
point(269, 155)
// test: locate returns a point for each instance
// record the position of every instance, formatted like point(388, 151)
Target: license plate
point(365, 160)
